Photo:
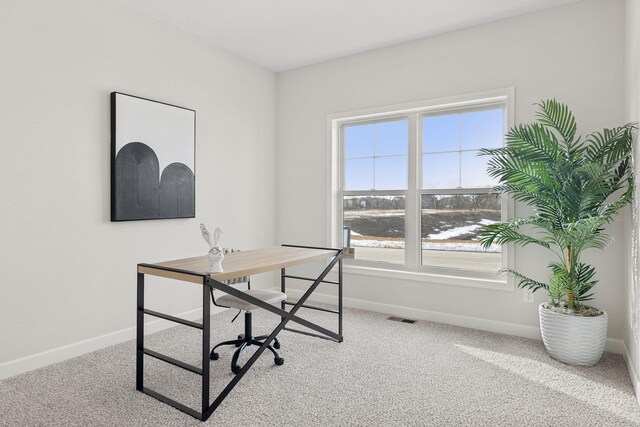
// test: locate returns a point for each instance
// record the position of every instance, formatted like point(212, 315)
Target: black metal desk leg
point(282, 289)
point(206, 344)
point(140, 333)
point(340, 298)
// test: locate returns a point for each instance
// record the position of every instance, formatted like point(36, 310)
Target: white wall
point(573, 53)
point(66, 273)
point(632, 98)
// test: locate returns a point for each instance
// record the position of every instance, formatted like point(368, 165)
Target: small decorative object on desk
point(215, 251)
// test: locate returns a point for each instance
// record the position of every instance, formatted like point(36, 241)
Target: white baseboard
point(612, 345)
point(615, 345)
point(48, 357)
point(633, 374)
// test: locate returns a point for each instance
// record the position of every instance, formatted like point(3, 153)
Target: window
point(455, 201)
point(375, 179)
point(412, 193)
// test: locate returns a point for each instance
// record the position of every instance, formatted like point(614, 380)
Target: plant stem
point(570, 294)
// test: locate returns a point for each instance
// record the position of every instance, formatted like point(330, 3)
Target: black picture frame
point(153, 158)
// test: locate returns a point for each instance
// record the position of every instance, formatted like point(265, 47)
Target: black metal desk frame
point(209, 283)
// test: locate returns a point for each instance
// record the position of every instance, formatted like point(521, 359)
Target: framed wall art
point(152, 159)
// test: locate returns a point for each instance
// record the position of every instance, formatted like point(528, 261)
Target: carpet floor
point(384, 373)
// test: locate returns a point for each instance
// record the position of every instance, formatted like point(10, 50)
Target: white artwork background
point(169, 131)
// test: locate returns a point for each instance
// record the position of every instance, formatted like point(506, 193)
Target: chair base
point(245, 341)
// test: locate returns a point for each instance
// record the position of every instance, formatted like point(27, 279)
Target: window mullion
point(412, 204)
point(460, 150)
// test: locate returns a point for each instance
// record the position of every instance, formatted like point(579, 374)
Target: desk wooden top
point(237, 264)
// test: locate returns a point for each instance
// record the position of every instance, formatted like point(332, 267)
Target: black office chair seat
point(247, 339)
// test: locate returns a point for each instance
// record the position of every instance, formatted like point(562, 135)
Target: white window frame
point(413, 269)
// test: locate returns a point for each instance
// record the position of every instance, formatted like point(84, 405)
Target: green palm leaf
point(558, 117)
point(524, 281)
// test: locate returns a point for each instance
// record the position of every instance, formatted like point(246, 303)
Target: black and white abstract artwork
point(152, 159)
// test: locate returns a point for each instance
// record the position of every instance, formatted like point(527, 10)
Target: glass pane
point(392, 138)
point(358, 141)
point(376, 226)
point(391, 173)
point(482, 129)
point(358, 174)
point(449, 229)
point(440, 133)
point(474, 171)
point(441, 170)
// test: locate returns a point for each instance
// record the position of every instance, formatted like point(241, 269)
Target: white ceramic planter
point(575, 340)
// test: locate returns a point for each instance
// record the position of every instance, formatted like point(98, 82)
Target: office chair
point(247, 339)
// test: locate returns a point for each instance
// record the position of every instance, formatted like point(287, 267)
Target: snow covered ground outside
point(466, 246)
point(459, 231)
point(439, 246)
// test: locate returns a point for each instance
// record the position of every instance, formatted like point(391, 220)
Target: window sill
point(441, 279)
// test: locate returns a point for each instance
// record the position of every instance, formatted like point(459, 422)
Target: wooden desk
point(236, 264)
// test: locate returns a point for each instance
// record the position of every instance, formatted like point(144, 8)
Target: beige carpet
point(385, 373)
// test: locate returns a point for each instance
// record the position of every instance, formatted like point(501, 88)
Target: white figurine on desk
point(215, 251)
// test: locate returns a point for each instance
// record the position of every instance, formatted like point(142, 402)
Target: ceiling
point(286, 34)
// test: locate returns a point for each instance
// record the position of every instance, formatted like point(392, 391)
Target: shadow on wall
point(139, 192)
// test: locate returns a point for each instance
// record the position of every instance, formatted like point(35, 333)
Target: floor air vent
point(400, 319)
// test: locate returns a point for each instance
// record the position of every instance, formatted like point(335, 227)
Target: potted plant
point(575, 187)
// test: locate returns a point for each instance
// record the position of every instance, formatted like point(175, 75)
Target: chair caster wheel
point(236, 369)
point(276, 345)
point(240, 337)
point(279, 361)
point(215, 356)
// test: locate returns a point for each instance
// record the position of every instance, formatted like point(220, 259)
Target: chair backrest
point(237, 280)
